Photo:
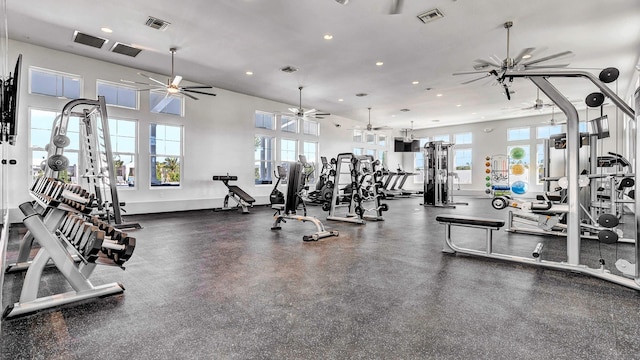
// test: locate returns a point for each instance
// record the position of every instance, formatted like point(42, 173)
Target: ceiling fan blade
point(476, 79)
point(487, 62)
point(162, 104)
point(396, 7)
point(322, 114)
point(152, 79)
point(188, 95)
point(546, 66)
point(469, 72)
point(522, 54)
point(176, 80)
point(560, 54)
point(197, 92)
point(294, 110)
point(198, 87)
point(310, 111)
point(137, 82)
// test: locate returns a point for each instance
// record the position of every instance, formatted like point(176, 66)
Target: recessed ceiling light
point(526, 56)
point(474, 113)
point(379, 63)
point(341, 100)
point(415, 82)
point(328, 36)
point(107, 30)
point(249, 73)
point(458, 105)
point(439, 95)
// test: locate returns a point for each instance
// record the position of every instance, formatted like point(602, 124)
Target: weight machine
point(630, 270)
point(438, 181)
point(286, 207)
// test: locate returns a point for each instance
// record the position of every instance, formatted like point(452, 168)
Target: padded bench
point(468, 221)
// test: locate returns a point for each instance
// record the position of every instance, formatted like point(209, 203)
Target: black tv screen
point(399, 145)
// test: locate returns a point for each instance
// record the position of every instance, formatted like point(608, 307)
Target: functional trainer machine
point(438, 181)
point(630, 270)
point(286, 207)
point(239, 196)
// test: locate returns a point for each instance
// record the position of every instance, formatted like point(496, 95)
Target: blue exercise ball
point(519, 187)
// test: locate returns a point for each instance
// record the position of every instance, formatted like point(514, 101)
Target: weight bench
point(242, 199)
point(489, 225)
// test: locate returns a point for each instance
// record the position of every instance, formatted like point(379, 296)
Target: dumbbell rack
point(344, 161)
point(59, 221)
point(369, 184)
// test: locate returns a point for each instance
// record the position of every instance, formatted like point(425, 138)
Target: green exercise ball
point(517, 153)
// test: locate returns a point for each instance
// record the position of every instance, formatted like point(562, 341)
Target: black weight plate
point(608, 220)
point(609, 74)
point(607, 237)
point(594, 99)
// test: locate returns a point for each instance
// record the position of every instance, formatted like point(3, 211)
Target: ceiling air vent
point(288, 69)
point(89, 40)
point(157, 24)
point(430, 15)
point(125, 49)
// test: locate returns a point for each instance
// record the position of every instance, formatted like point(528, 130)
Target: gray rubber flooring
point(210, 285)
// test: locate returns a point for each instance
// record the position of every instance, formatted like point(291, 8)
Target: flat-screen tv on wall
point(399, 145)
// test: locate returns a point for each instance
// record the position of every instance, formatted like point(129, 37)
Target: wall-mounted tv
point(399, 145)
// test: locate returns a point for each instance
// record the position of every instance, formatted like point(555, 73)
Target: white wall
point(218, 135)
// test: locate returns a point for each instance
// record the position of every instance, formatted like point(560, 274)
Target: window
point(371, 138)
point(310, 151)
point(382, 156)
point(514, 134)
point(357, 151)
point(263, 159)
point(41, 124)
point(288, 150)
point(288, 124)
point(462, 161)
point(382, 140)
point(357, 136)
point(264, 120)
point(418, 162)
point(310, 127)
point(444, 138)
point(53, 83)
point(540, 163)
point(161, 102)
point(543, 132)
point(371, 152)
point(165, 149)
point(123, 147)
point(118, 95)
point(463, 138)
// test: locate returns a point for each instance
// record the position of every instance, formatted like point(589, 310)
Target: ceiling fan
point(172, 86)
point(553, 121)
point(300, 112)
point(539, 104)
point(373, 128)
point(496, 67)
point(396, 6)
point(407, 134)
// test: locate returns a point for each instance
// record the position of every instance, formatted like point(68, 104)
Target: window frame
point(165, 155)
point(58, 74)
point(117, 87)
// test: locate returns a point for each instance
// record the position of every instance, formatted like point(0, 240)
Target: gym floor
point(220, 285)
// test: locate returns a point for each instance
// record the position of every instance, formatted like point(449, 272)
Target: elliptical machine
point(286, 207)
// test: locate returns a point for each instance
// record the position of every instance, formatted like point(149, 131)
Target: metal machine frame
point(438, 181)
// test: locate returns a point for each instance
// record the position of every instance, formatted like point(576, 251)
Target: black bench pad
point(470, 221)
point(550, 197)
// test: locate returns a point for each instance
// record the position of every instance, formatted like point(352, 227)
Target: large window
point(310, 127)
point(418, 162)
point(288, 150)
point(444, 138)
point(357, 136)
point(289, 124)
point(165, 149)
point(370, 138)
point(161, 102)
point(264, 159)
point(462, 161)
point(41, 124)
point(463, 138)
point(118, 95)
point(53, 83)
point(123, 135)
point(310, 151)
point(543, 132)
point(515, 134)
point(264, 120)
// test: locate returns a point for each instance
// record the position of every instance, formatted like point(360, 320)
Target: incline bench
point(468, 221)
point(242, 199)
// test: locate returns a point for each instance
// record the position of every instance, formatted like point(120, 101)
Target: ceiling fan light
point(172, 90)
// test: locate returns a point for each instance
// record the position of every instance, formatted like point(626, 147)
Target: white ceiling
point(218, 41)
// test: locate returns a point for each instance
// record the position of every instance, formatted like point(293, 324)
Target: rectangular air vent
point(125, 49)
point(89, 40)
point(430, 15)
point(288, 69)
point(156, 23)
